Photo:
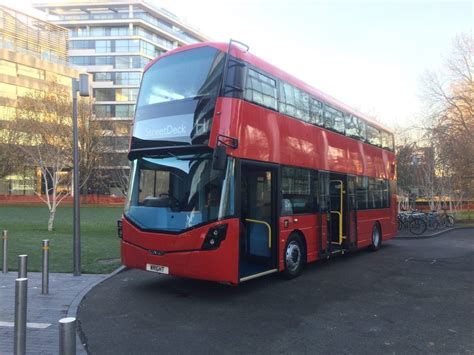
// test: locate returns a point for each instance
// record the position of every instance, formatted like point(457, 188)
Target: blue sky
point(369, 54)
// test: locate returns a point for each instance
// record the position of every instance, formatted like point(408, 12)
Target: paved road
point(412, 296)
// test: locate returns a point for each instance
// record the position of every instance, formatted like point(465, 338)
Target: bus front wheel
point(294, 256)
point(376, 237)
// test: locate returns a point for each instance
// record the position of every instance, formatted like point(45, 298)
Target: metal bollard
point(21, 292)
point(22, 266)
point(45, 271)
point(5, 251)
point(67, 336)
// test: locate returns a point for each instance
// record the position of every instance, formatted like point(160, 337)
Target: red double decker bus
point(240, 170)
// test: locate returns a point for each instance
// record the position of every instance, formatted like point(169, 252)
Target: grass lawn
point(27, 227)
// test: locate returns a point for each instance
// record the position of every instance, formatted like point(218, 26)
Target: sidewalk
point(405, 234)
point(43, 311)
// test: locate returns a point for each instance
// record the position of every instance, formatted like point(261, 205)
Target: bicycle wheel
point(417, 226)
point(400, 224)
point(432, 224)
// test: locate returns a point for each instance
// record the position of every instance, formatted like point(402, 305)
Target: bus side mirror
point(219, 158)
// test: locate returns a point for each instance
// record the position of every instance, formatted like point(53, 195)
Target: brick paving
point(65, 292)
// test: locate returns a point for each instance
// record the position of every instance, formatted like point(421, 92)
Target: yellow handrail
point(340, 225)
point(341, 207)
point(267, 225)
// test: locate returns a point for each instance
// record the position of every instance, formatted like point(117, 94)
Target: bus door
point(351, 215)
point(338, 214)
point(258, 215)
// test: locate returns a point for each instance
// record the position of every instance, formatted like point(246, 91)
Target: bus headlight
point(214, 237)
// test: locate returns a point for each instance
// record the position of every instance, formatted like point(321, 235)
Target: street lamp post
point(81, 85)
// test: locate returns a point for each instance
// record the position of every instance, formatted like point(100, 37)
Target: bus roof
point(248, 57)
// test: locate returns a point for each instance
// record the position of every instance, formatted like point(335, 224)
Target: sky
point(371, 55)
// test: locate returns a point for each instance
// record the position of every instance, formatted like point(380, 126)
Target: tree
point(43, 133)
point(449, 96)
point(91, 146)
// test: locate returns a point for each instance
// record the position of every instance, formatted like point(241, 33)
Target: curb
point(435, 234)
point(72, 310)
point(73, 307)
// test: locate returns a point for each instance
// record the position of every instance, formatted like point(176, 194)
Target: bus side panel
point(266, 135)
point(307, 224)
point(366, 220)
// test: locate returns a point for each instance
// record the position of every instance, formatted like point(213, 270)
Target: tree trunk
point(52, 213)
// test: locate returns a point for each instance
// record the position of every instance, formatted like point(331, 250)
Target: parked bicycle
point(413, 221)
point(446, 220)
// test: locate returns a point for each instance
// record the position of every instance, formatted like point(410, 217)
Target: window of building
point(7, 113)
point(119, 31)
point(127, 78)
point(102, 60)
point(22, 91)
point(103, 46)
point(7, 68)
point(104, 111)
point(8, 91)
point(316, 112)
point(298, 190)
point(97, 31)
point(63, 80)
point(82, 60)
point(83, 44)
point(333, 119)
point(126, 94)
point(31, 72)
point(261, 89)
point(123, 62)
point(374, 136)
point(124, 111)
point(104, 94)
point(103, 76)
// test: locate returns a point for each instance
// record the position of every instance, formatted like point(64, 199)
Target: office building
point(32, 52)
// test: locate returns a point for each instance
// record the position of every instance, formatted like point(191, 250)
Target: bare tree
point(91, 146)
point(43, 133)
point(121, 177)
point(449, 96)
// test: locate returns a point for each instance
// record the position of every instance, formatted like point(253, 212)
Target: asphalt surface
point(410, 297)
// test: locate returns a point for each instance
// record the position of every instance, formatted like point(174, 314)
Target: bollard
point(67, 336)
point(21, 291)
point(5, 251)
point(45, 271)
point(22, 266)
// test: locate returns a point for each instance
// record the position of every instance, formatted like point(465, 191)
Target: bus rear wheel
point(294, 256)
point(376, 238)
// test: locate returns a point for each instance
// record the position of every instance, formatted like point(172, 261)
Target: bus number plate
point(157, 268)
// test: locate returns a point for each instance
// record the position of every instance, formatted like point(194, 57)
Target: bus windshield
point(179, 192)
